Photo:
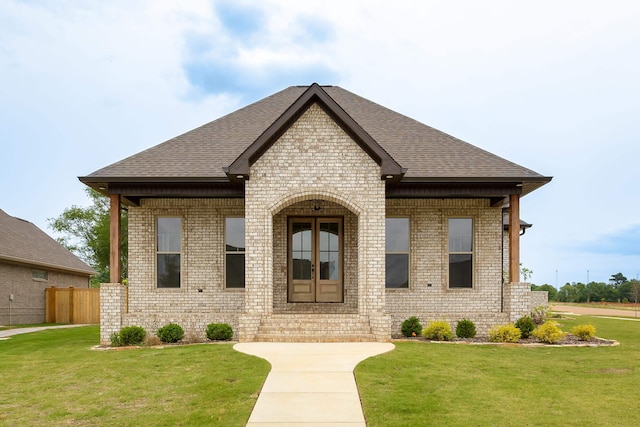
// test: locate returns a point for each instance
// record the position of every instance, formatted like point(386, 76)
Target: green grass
point(53, 378)
point(423, 384)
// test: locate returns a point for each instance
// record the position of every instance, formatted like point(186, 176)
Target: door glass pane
point(301, 250)
point(329, 235)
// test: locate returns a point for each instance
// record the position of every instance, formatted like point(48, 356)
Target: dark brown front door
point(315, 259)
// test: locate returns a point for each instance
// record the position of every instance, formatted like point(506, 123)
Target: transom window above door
point(315, 260)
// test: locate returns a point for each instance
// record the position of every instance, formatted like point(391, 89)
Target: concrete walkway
point(16, 331)
point(310, 384)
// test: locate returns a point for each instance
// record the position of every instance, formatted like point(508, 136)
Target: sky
point(551, 85)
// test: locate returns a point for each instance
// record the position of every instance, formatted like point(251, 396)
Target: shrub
point(504, 333)
point(584, 332)
point(466, 329)
point(438, 331)
point(526, 326)
point(219, 332)
point(115, 340)
point(549, 332)
point(411, 326)
point(539, 314)
point(132, 335)
point(170, 333)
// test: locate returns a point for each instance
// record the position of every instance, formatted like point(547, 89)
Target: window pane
point(460, 235)
point(168, 270)
point(397, 271)
point(43, 275)
point(235, 270)
point(397, 234)
point(234, 234)
point(460, 271)
point(169, 230)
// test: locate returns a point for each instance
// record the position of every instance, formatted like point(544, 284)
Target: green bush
point(115, 340)
point(219, 332)
point(549, 332)
point(411, 327)
point(170, 333)
point(526, 326)
point(504, 333)
point(466, 329)
point(438, 331)
point(132, 335)
point(584, 332)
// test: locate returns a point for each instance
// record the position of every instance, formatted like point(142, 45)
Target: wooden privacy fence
point(71, 305)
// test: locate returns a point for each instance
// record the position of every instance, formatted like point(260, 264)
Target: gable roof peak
point(314, 94)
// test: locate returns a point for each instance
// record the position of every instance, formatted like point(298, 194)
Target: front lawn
point(53, 378)
point(424, 384)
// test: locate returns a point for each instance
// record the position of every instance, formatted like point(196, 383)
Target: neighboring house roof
point(421, 153)
point(23, 242)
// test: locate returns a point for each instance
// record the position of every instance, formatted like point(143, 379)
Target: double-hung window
point(460, 253)
point(397, 253)
point(169, 250)
point(234, 252)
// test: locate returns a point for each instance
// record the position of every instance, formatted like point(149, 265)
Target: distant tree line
point(619, 289)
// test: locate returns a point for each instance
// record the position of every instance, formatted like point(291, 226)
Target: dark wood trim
point(239, 169)
point(114, 239)
point(491, 190)
point(514, 238)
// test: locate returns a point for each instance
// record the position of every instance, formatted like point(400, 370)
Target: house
point(315, 214)
point(30, 262)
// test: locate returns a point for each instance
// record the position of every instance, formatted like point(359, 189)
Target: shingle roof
point(425, 152)
point(23, 242)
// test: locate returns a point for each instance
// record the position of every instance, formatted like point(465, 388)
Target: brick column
point(113, 305)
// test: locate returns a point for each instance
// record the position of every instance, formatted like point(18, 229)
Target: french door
point(315, 259)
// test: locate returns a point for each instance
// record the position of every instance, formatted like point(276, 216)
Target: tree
point(85, 232)
point(552, 292)
point(525, 272)
point(617, 280)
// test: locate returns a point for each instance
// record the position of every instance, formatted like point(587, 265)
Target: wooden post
point(514, 238)
point(50, 312)
point(71, 308)
point(114, 239)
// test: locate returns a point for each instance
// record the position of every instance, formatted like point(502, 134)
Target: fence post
point(71, 319)
point(50, 310)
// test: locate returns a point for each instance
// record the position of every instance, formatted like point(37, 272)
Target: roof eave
point(90, 272)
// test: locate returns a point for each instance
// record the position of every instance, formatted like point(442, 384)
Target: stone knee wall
point(113, 307)
point(539, 299)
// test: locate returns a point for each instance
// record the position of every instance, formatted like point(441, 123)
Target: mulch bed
point(568, 341)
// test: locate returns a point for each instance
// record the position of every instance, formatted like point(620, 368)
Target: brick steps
point(315, 328)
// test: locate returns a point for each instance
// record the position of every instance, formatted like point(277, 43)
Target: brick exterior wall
point(28, 305)
point(429, 296)
point(202, 297)
point(539, 299)
point(313, 162)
